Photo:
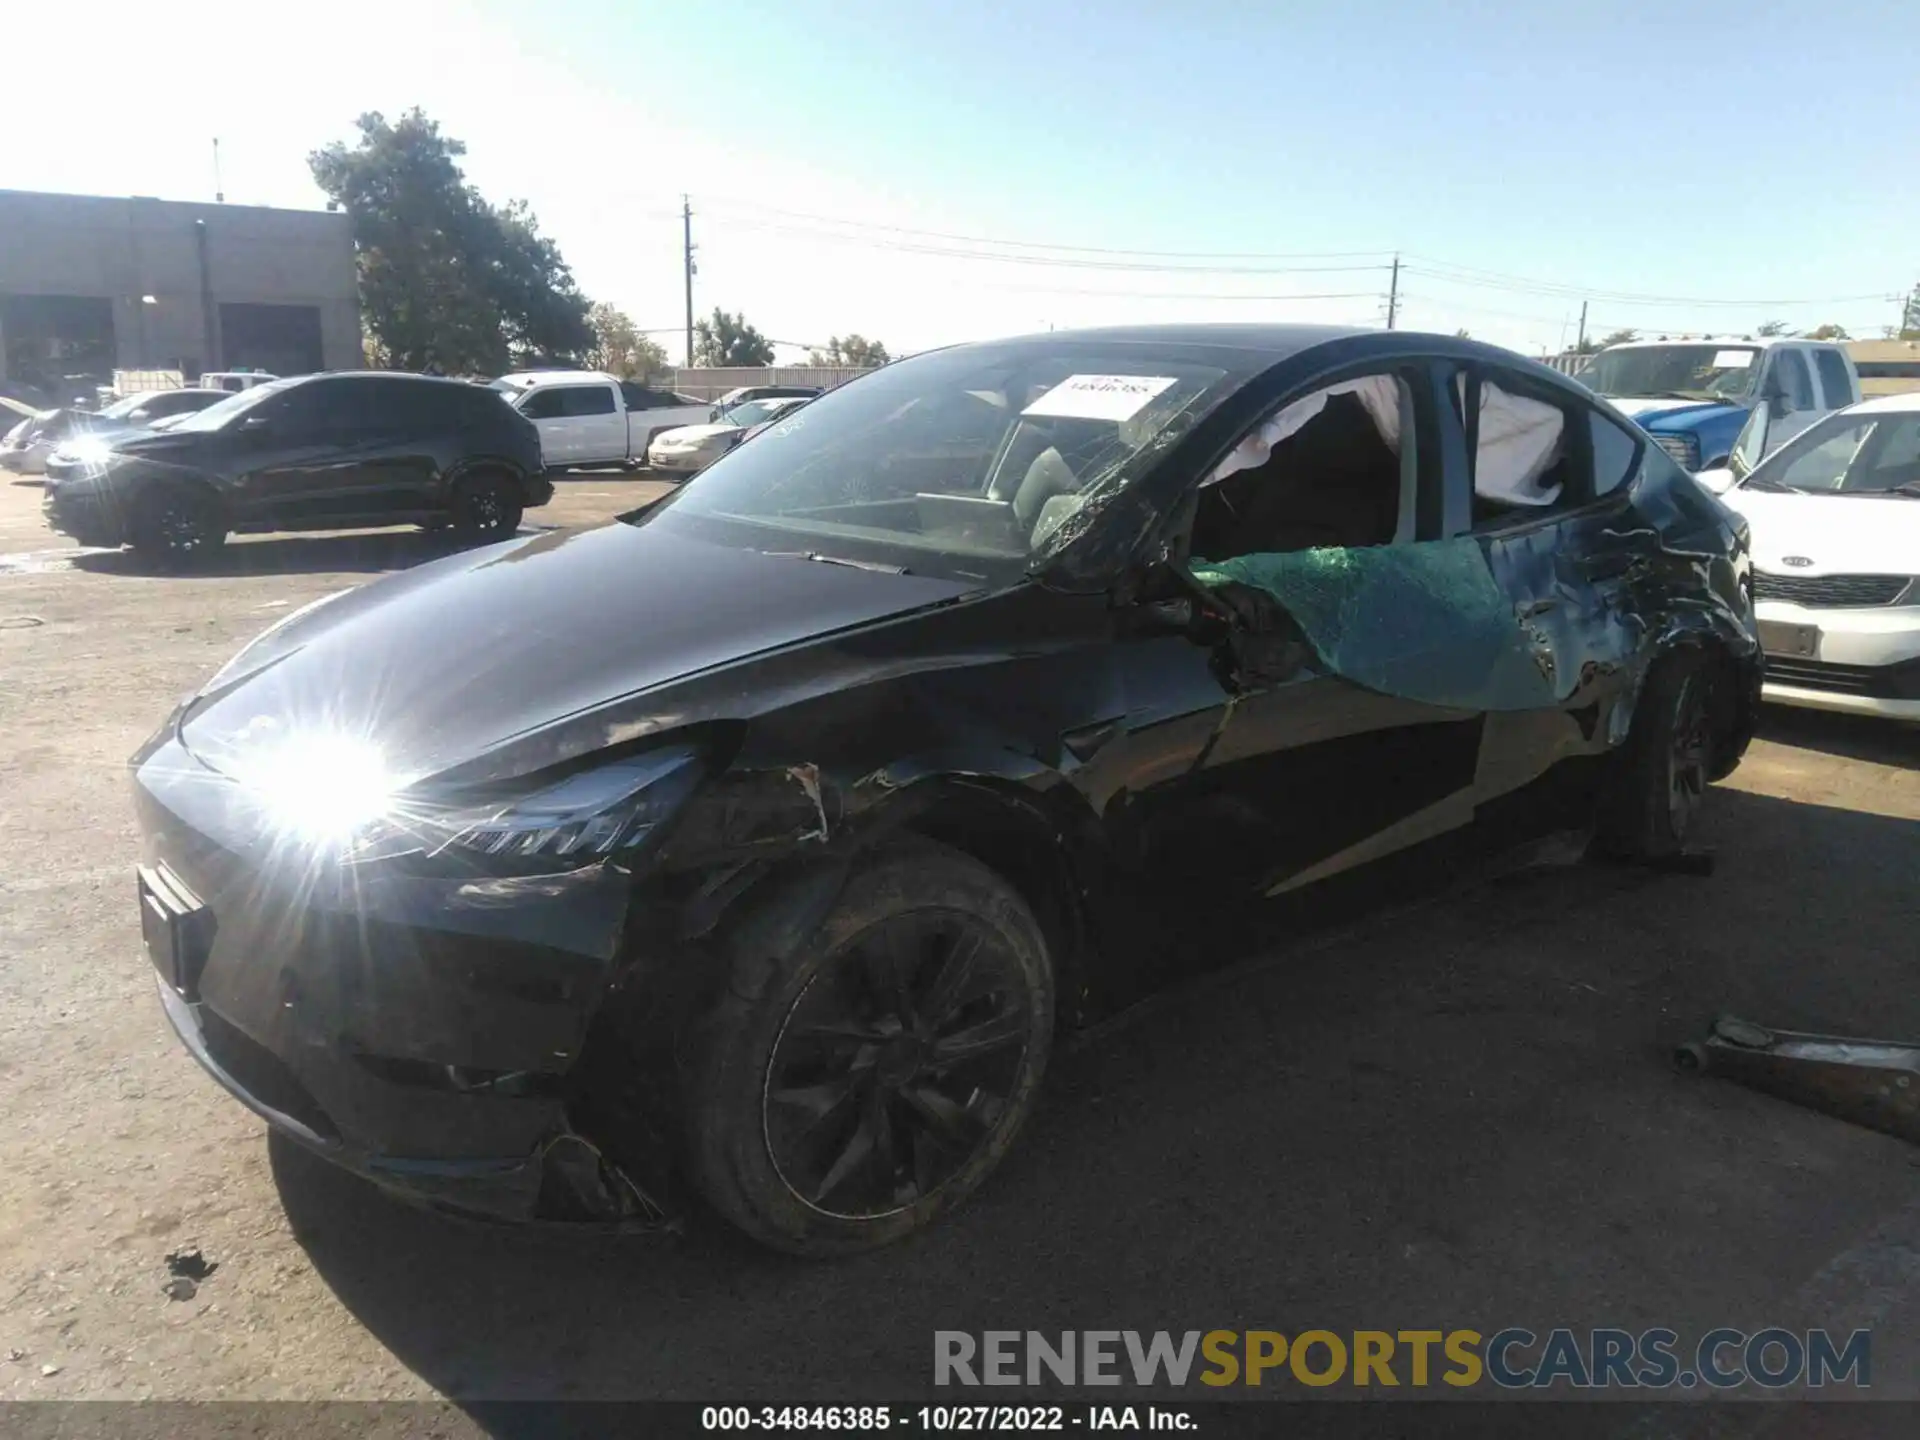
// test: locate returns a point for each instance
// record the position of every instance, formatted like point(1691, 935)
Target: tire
point(176, 526)
point(485, 506)
point(1651, 797)
point(824, 1105)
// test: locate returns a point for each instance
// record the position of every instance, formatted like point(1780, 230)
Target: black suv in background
point(321, 452)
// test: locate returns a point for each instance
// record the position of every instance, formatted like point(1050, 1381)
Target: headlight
point(576, 821)
point(88, 450)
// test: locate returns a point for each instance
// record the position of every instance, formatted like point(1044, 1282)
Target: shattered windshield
point(1679, 372)
point(974, 459)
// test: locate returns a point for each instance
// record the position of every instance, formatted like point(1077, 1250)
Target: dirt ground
point(1458, 1116)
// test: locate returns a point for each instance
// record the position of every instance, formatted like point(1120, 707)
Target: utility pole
point(686, 226)
point(219, 190)
point(1393, 293)
point(1580, 345)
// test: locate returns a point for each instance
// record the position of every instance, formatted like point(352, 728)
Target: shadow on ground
point(362, 552)
point(1856, 737)
point(1459, 1115)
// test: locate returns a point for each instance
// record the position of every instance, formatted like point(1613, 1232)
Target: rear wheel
point(1652, 798)
point(849, 1093)
point(176, 526)
point(485, 506)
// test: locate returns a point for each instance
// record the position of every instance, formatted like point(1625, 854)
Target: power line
point(1495, 280)
point(956, 252)
point(1072, 249)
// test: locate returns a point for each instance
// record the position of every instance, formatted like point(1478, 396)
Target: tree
point(1772, 328)
point(729, 340)
point(1619, 337)
point(1910, 317)
point(447, 281)
point(1462, 334)
point(618, 348)
point(1587, 346)
point(1829, 332)
point(850, 350)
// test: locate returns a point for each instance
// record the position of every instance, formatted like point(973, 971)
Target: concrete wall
point(124, 249)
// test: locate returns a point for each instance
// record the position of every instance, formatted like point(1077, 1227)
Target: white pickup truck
point(586, 417)
point(1704, 401)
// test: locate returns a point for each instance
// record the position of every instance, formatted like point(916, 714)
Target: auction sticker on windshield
point(1732, 359)
point(1100, 397)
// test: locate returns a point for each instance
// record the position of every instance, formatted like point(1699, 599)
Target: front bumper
point(84, 512)
point(536, 489)
point(1864, 661)
point(25, 460)
point(420, 1032)
point(684, 462)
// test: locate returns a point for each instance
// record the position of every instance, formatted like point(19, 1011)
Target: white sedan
point(692, 448)
point(1835, 515)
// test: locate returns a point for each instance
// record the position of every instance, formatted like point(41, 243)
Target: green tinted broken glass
point(1424, 622)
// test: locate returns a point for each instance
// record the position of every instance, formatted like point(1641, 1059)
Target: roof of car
point(1887, 404)
point(525, 378)
point(383, 375)
point(1276, 341)
point(1758, 341)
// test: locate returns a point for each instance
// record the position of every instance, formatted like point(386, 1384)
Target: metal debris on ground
point(190, 1264)
point(1875, 1083)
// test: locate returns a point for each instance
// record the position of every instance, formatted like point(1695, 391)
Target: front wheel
point(175, 526)
point(847, 1094)
point(1652, 797)
point(485, 506)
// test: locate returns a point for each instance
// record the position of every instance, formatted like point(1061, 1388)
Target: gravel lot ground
point(1457, 1116)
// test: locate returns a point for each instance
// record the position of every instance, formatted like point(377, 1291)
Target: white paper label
point(1100, 397)
point(1732, 359)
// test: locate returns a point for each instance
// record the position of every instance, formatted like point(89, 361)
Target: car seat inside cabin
point(1324, 472)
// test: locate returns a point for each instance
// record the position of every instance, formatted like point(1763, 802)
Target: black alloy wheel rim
point(180, 527)
point(1689, 754)
point(483, 505)
point(896, 1063)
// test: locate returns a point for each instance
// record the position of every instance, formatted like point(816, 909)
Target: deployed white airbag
point(1380, 394)
point(1520, 439)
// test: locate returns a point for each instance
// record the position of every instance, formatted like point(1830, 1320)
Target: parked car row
point(1828, 485)
point(27, 447)
point(591, 418)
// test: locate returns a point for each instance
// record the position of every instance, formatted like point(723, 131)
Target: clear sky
point(1519, 154)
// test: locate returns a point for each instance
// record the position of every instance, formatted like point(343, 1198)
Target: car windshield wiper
point(837, 560)
point(1761, 482)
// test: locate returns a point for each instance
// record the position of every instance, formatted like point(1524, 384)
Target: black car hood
point(446, 661)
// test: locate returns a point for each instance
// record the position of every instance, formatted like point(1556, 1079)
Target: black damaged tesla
point(752, 847)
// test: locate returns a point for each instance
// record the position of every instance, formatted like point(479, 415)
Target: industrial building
point(93, 284)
